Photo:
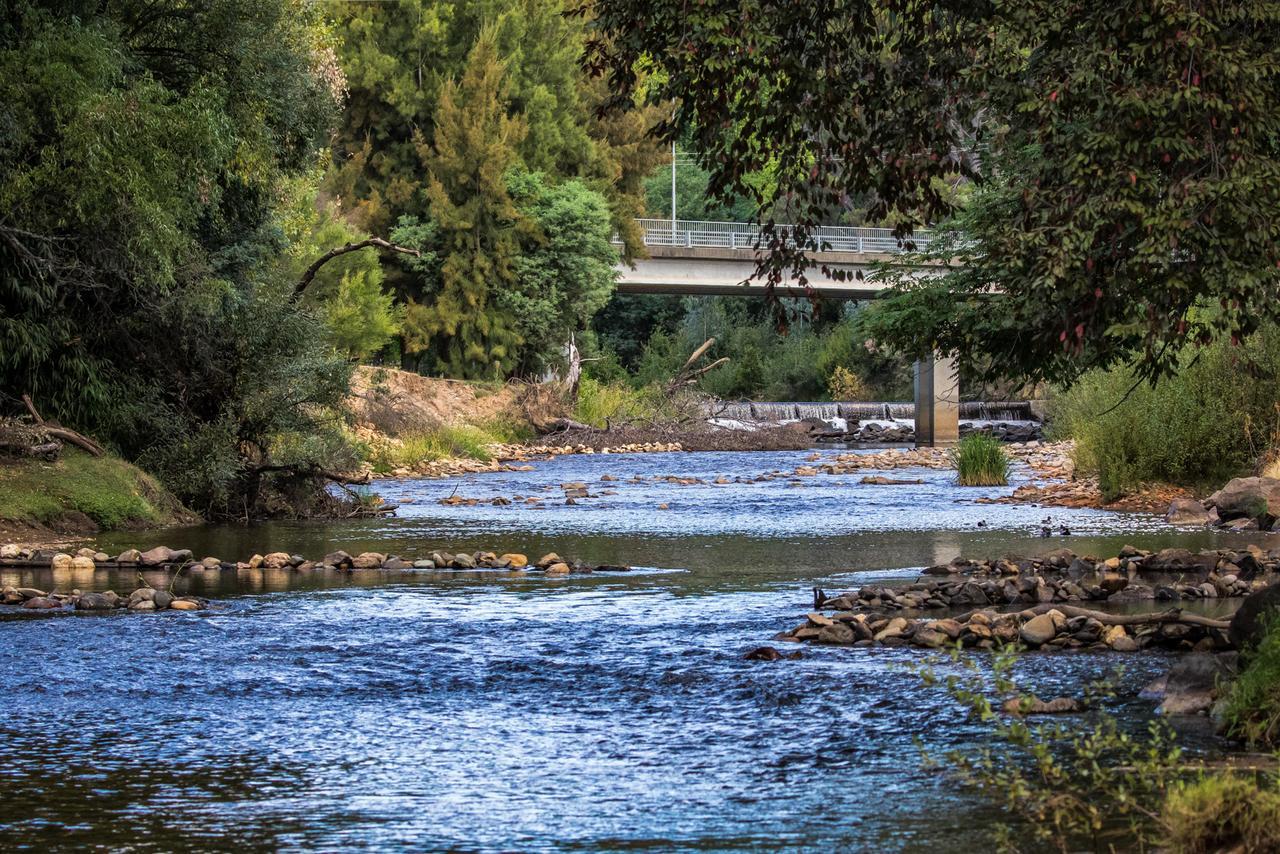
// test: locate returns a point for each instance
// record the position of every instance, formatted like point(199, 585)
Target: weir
point(719, 258)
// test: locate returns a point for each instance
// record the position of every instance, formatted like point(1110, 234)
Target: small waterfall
point(1002, 410)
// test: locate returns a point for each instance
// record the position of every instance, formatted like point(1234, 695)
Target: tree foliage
point(565, 273)
point(1125, 155)
point(476, 221)
point(140, 293)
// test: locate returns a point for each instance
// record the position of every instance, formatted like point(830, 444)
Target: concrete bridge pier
point(937, 403)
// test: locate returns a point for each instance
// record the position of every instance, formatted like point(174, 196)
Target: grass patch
point(1223, 813)
point(980, 460)
point(110, 491)
point(1252, 708)
point(455, 441)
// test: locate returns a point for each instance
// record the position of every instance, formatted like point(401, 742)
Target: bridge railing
point(742, 235)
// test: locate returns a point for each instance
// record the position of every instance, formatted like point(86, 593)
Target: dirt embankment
point(400, 403)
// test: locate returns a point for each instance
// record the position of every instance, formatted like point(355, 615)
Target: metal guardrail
point(742, 235)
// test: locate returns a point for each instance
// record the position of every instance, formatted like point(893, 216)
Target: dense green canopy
point(1125, 156)
point(141, 295)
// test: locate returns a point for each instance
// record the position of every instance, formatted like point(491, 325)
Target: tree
point(565, 272)
point(1126, 156)
point(476, 221)
point(398, 57)
point(141, 297)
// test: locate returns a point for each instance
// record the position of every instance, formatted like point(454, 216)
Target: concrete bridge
point(696, 258)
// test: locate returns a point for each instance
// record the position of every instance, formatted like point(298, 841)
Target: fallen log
point(57, 431)
point(1173, 615)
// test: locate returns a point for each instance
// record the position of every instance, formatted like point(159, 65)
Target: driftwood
point(688, 374)
point(310, 274)
point(1172, 615)
point(59, 432)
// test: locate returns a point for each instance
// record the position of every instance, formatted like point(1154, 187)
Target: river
point(496, 711)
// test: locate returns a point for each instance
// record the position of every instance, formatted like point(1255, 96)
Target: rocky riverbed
point(180, 560)
point(143, 599)
point(1051, 590)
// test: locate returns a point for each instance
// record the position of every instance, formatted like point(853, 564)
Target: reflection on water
point(499, 711)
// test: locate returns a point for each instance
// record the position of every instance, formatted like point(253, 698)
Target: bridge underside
point(718, 271)
point(703, 271)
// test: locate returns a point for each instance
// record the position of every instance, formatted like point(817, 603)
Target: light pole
point(673, 192)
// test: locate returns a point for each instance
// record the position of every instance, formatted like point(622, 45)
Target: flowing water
point(498, 711)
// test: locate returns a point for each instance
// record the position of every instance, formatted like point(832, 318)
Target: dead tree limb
point(65, 434)
point(311, 271)
point(1173, 615)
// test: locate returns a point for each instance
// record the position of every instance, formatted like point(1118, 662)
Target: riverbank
point(78, 495)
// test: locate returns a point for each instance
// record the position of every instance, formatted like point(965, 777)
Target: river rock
point(1255, 498)
point(339, 559)
point(463, 561)
point(368, 560)
point(162, 599)
point(1250, 618)
point(276, 560)
point(547, 559)
point(142, 594)
point(1187, 511)
point(424, 564)
point(10, 551)
point(1191, 686)
point(395, 563)
point(515, 560)
point(42, 603)
point(1180, 562)
point(142, 605)
point(156, 556)
point(82, 563)
point(94, 602)
point(1036, 706)
point(764, 653)
point(60, 562)
point(840, 633)
point(1039, 629)
point(184, 604)
point(560, 568)
point(129, 556)
point(895, 629)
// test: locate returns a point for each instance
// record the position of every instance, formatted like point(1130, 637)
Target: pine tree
point(478, 223)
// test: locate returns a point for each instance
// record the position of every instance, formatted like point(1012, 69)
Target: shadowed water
point(494, 711)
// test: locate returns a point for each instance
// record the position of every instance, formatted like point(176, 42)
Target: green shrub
point(1078, 783)
point(1223, 813)
point(1252, 708)
point(1202, 427)
point(980, 460)
point(600, 403)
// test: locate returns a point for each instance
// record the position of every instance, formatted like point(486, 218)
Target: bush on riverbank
point(60, 495)
point(448, 441)
point(1223, 813)
point(1209, 423)
point(601, 403)
point(1252, 709)
point(980, 460)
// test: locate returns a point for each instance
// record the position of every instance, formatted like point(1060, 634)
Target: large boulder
point(1039, 629)
point(1254, 614)
point(1191, 686)
point(1187, 511)
point(1255, 498)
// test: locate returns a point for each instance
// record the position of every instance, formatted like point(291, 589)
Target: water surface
point(499, 711)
